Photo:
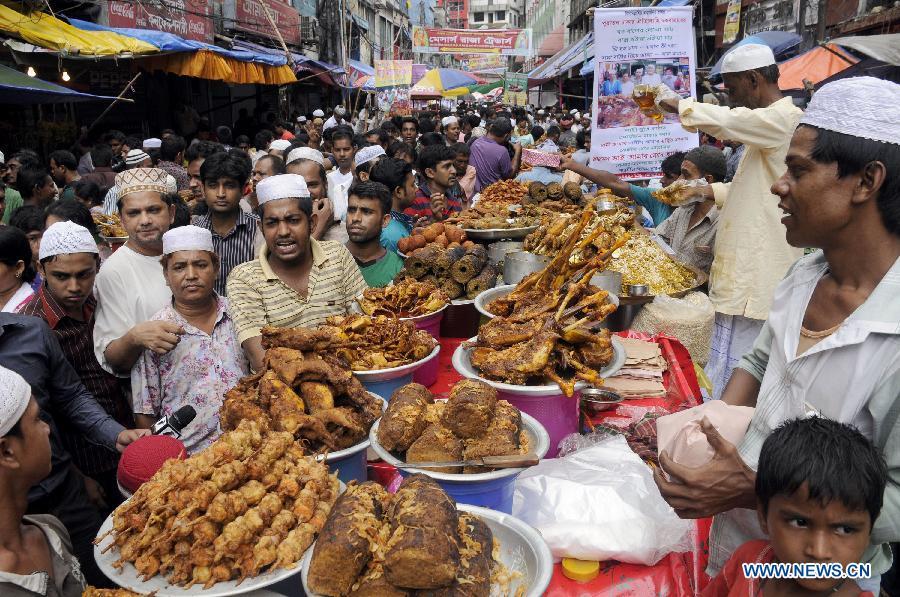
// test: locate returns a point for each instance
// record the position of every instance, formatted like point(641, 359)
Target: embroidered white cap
point(318, 114)
point(367, 154)
point(281, 186)
point(152, 143)
point(65, 238)
point(863, 107)
point(15, 393)
point(187, 238)
point(305, 153)
point(448, 120)
point(280, 144)
point(747, 57)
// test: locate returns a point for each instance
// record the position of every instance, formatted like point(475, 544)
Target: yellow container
point(580, 570)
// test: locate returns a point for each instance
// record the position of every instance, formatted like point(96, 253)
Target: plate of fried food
point(235, 517)
point(110, 227)
point(419, 541)
point(374, 347)
point(504, 191)
point(407, 299)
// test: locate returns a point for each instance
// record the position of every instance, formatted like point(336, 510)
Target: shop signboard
point(506, 42)
point(249, 16)
point(392, 81)
point(189, 19)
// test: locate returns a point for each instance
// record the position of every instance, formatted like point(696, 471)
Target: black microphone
point(175, 423)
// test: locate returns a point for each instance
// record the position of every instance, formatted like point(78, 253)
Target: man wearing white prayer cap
point(451, 129)
point(152, 143)
point(835, 318)
point(751, 253)
point(365, 159)
point(297, 281)
point(305, 153)
point(278, 147)
point(69, 263)
point(317, 113)
point(208, 361)
point(310, 164)
point(131, 288)
point(335, 119)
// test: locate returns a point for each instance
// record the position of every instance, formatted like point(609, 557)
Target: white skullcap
point(541, 112)
point(64, 238)
point(747, 57)
point(340, 110)
point(138, 180)
point(305, 153)
point(15, 393)
point(367, 154)
point(171, 184)
point(135, 157)
point(573, 111)
point(152, 143)
point(301, 119)
point(281, 186)
point(2, 158)
point(187, 238)
point(859, 106)
point(280, 144)
point(448, 120)
point(318, 114)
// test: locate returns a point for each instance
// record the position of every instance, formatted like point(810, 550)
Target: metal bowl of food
point(383, 382)
point(521, 263)
point(485, 298)
point(498, 251)
point(523, 552)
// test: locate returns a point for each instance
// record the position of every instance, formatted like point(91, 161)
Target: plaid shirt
point(239, 246)
point(76, 339)
point(421, 206)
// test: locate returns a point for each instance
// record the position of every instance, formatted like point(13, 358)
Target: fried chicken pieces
point(412, 543)
point(316, 400)
point(250, 502)
point(548, 328)
point(406, 298)
point(358, 342)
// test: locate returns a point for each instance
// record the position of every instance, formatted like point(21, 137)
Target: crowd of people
point(228, 234)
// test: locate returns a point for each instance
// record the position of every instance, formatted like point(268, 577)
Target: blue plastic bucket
point(496, 494)
point(385, 381)
point(350, 463)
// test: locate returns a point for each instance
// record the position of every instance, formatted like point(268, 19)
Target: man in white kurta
point(751, 253)
point(130, 286)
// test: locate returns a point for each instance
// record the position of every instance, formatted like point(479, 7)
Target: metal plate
point(395, 372)
point(483, 299)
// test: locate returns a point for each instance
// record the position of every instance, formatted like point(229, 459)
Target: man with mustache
point(207, 360)
point(130, 287)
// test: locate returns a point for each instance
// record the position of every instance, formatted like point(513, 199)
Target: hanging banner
point(250, 16)
point(185, 18)
point(482, 62)
point(392, 81)
point(732, 22)
point(515, 89)
point(639, 46)
point(506, 42)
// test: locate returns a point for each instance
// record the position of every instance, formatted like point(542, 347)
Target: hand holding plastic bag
point(600, 503)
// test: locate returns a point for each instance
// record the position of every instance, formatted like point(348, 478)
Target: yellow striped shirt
point(258, 297)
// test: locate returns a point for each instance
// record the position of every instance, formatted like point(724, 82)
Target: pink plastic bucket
point(557, 413)
point(427, 374)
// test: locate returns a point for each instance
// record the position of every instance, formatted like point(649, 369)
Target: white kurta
point(130, 288)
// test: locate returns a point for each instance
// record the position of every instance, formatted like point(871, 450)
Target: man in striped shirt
point(235, 233)
point(438, 196)
point(297, 280)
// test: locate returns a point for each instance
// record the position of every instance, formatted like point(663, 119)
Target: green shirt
point(380, 272)
point(13, 202)
point(658, 211)
point(68, 192)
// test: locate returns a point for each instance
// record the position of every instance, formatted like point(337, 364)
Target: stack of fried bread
point(472, 424)
point(642, 374)
point(412, 543)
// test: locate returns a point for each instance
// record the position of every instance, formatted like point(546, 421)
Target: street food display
point(109, 225)
point(443, 234)
point(472, 424)
point(414, 542)
point(314, 398)
point(406, 298)
point(357, 342)
point(504, 191)
point(458, 272)
point(643, 261)
point(494, 215)
point(602, 230)
point(249, 503)
point(95, 592)
point(547, 330)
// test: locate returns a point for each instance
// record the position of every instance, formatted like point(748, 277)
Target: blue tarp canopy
point(18, 88)
point(781, 42)
point(169, 42)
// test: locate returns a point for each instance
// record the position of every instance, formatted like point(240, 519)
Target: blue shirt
point(399, 227)
point(658, 211)
point(611, 88)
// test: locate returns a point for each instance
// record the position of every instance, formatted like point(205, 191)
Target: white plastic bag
point(600, 503)
point(689, 319)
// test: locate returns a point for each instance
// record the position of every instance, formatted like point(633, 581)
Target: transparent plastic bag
point(689, 319)
point(600, 503)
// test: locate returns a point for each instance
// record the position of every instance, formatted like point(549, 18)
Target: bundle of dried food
point(414, 542)
point(493, 215)
point(406, 298)
point(443, 234)
point(457, 272)
point(556, 230)
point(572, 192)
point(109, 225)
point(554, 191)
point(472, 424)
point(317, 400)
point(504, 191)
point(357, 342)
point(642, 261)
point(538, 191)
point(249, 503)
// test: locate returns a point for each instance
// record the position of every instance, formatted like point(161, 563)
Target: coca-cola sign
point(250, 16)
point(185, 18)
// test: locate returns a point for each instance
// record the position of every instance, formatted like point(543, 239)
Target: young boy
point(400, 179)
point(368, 213)
point(819, 488)
point(35, 551)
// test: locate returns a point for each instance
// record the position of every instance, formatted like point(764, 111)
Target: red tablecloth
point(677, 573)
